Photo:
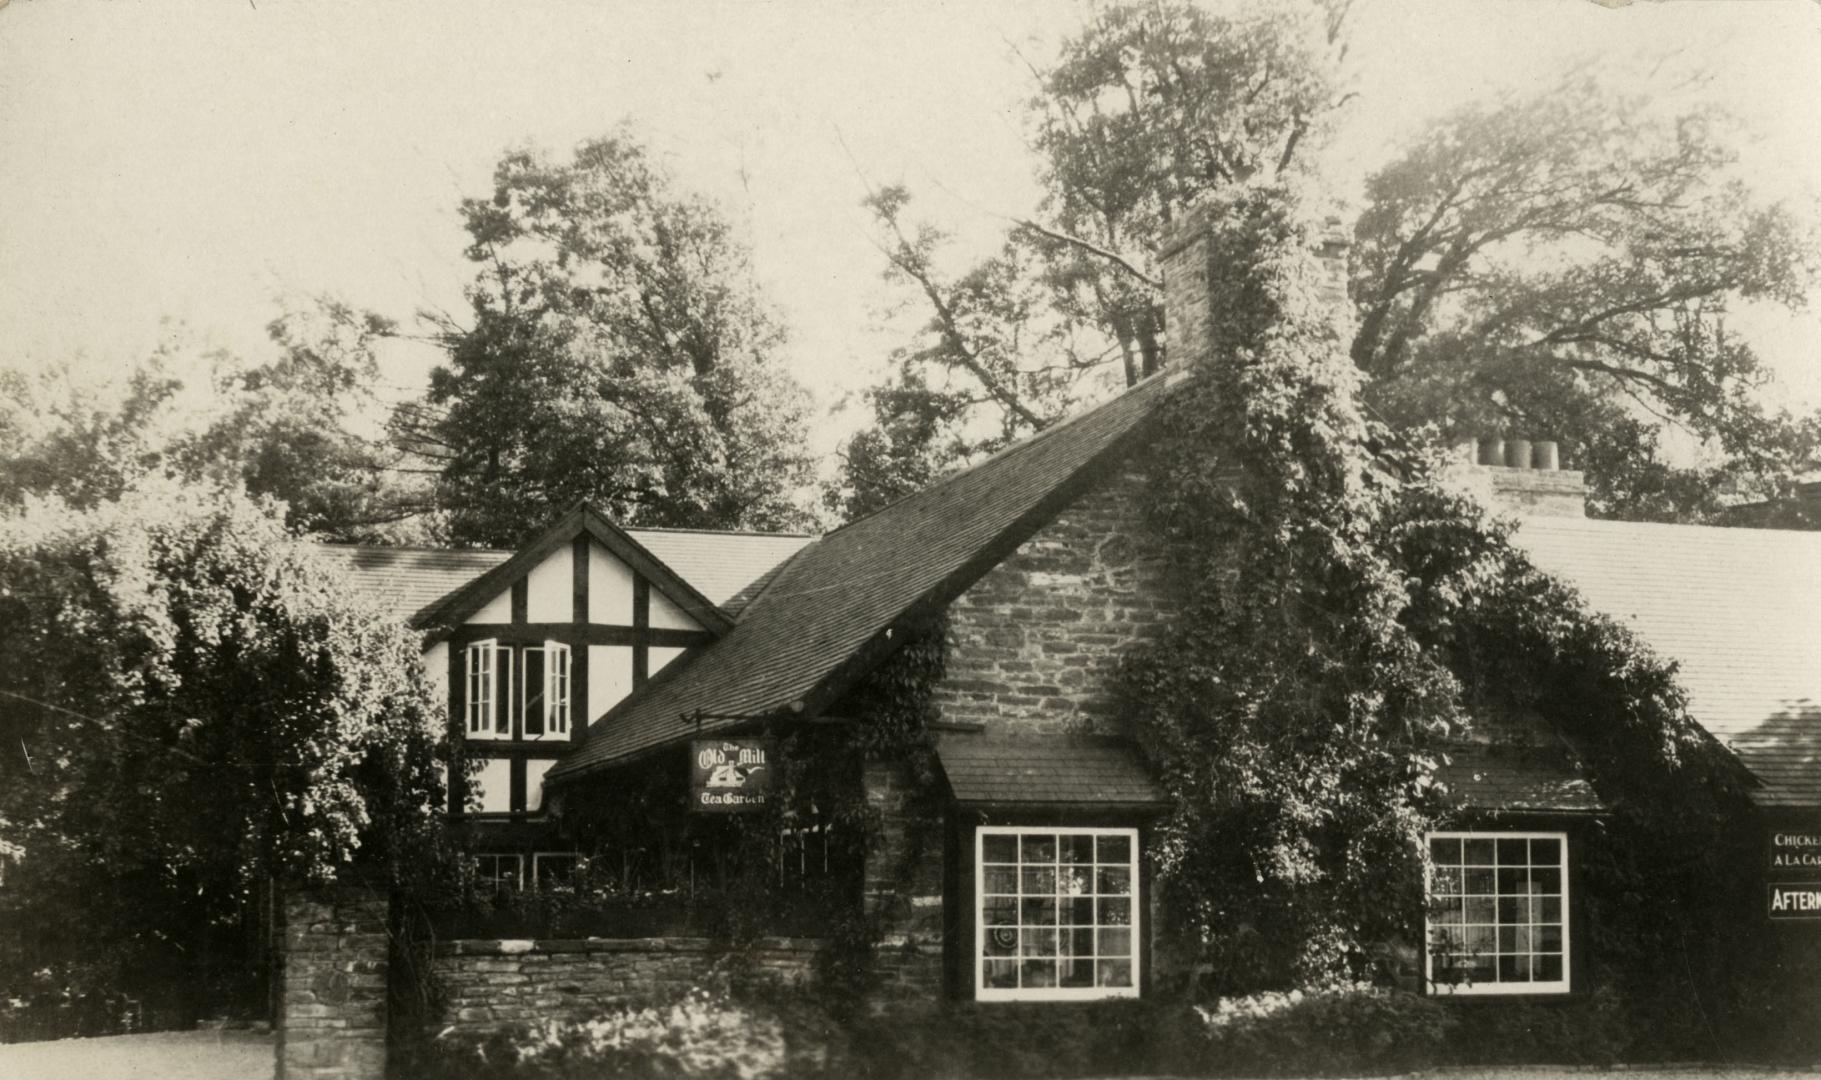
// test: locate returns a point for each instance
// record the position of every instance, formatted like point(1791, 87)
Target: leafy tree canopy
point(618, 352)
point(290, 427)
point(1563, 264)
point(192, 705)
point(1552, 266)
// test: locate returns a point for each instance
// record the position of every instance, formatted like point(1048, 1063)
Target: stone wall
point(1032, 643)
point(332, 1007)
point(904, 888)
point(482, 986)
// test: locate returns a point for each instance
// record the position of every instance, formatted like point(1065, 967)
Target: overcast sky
point(200, 162)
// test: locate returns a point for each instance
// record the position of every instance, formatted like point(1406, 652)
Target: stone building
point(598, 657)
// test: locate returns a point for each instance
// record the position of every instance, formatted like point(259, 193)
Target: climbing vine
point(1343, 615)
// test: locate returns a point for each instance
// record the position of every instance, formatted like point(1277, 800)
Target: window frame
point(556, 691)
point(503, 711)
point(475, 704)
point(1554, 987)
point(982, 992)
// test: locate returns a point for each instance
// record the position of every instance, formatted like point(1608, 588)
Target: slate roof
point(408, 582)
point(1738, 609)
point(1498, 777)
point(1046, 770)
point(803, 638)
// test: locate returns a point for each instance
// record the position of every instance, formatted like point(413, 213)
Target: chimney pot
point(1517, 453)
point(1492, 451)
point(1547, 455)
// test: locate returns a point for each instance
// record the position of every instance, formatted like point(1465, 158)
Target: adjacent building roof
point(827, 612)
point(1011, 771)
point(409, 582)
point(1738, 609)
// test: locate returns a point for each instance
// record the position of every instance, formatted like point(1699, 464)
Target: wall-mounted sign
point(1795, 901)
point(1795, 854)
point(728, 776)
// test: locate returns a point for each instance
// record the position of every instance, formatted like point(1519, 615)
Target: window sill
point(1097, 993)
point(1494, 992)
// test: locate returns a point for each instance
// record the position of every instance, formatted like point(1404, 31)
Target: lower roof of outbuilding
point(1012, 771)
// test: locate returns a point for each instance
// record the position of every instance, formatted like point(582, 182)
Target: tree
point(287, 428)
point(62, 436)
point(1558, 266)
point(291, 430)
point(1562, 265)
point(1151, 105)
point(192, 706)
point(619, 352)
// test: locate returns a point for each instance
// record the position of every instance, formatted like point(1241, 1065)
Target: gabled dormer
point(544, 643)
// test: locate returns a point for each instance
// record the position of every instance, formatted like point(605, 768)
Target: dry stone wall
point(483, 986)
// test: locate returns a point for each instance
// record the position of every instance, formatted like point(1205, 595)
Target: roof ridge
point(1157, 377)
point(722, 532)
point(359, 546)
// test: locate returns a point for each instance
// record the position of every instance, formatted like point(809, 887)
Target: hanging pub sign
point(729, 776)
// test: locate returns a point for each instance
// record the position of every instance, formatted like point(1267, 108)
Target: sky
point(205, 163)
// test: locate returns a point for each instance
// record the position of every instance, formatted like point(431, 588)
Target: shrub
point(1581, 1032)
point(1010, 1041)
point(1348, 1029)
point(699, 1036)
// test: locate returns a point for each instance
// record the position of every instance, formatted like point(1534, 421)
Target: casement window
point(499, 872)
point(540, 708)
point(1498, 913)
point(544, 679)
point(1056, 912)
point(489, 678)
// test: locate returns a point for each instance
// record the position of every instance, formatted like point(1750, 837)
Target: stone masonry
point(1033, 642)
point(332, 1013)
point(487, 985)
point(904, 889)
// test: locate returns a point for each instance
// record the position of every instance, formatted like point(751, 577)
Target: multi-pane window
point(1498, 913)
point(540, 709)
point(500, 873)
point(1058, 913)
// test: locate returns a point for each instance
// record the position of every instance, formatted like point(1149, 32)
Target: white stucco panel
point(436, 667)
point(550, 588)
point(498, 609)
point(609, 677)
point(609, 588)
point(661, 656)
point(667, 616)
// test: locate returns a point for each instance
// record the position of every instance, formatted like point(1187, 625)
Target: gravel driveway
point(165, 1055)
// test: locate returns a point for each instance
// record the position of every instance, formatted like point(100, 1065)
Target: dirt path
point(166, 1055)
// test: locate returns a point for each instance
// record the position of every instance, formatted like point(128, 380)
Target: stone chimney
point(1188, 286)
point(1512, 475)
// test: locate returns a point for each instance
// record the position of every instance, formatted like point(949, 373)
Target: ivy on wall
point(1342, 615)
